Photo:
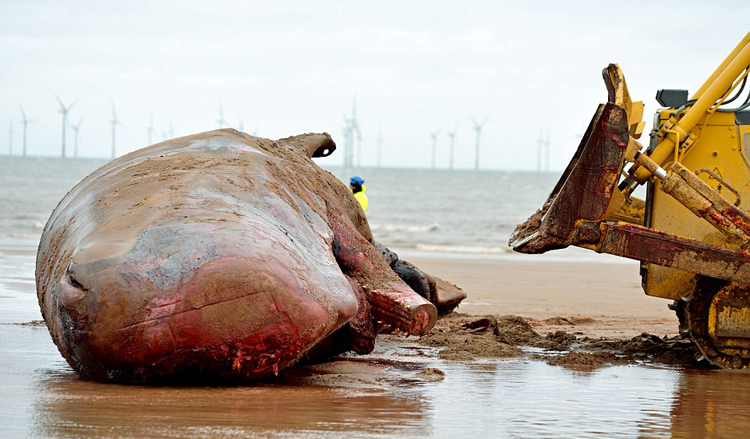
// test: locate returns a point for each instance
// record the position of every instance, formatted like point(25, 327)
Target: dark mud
point(431, 374)
point(35, 323)
point(465, 338)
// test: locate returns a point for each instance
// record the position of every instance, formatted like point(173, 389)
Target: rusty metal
point(732, 318)
point(726, 184)
point(585, 189)
point(670, 250)
point(705, 202)
point(716, 318)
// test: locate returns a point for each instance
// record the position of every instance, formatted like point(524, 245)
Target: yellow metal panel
point(715, 183)
point(730, 322)
point(669, 283)
point(717, 148)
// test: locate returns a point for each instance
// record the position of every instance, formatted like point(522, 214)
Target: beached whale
point(219, 255)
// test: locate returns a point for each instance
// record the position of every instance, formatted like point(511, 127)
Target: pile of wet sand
point(465, 338)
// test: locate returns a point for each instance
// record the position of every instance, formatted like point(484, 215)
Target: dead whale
point(218, 255)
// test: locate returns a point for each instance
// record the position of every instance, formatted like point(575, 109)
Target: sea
point(422, 210)
point(440, 213)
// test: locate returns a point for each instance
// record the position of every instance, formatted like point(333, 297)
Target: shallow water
point(380, 395)
point(414, 211)
point(425, 210)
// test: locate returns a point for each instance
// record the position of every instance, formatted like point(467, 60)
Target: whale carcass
point(220, 256)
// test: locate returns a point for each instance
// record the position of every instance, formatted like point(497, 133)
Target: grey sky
point(286, 68)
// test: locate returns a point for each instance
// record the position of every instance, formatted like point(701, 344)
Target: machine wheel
point(717, 319)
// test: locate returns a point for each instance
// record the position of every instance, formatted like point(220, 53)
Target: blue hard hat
point(357, 180)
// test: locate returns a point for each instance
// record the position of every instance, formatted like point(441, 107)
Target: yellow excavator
point(692, 231)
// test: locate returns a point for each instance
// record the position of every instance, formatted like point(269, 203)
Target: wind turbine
point(355, 143)
point(478, 128)
point(25, 122)
point(350, 126)
point(114, 123)
point(434, 136)
point(347, 131)
point(355, 127)
point(221, 120)
point(168, 134)
point(76, 128)
point(452, 135)
point(150, 129)
point(64, 111)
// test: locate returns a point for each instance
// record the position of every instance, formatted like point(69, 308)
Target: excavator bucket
point(584, 191)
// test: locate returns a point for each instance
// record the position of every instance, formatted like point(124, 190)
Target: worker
point(357, 186)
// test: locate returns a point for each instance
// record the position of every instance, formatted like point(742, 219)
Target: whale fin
point(312, 144)
point(392, 301)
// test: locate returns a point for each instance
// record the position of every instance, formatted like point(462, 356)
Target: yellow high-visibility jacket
point(362, 198)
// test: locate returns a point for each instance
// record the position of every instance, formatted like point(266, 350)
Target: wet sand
point(595, 299)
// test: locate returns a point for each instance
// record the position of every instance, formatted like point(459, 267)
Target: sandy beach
point(603, 299)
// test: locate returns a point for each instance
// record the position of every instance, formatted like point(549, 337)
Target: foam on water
point(403, 228)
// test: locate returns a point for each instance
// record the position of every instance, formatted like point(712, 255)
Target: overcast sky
point(284, 68)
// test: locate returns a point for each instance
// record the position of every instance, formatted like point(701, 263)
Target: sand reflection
point(297, 406)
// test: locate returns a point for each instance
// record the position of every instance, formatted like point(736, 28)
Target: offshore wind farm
point(357, 150)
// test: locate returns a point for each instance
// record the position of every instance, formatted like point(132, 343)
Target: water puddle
point(381, 395)
point(404, 389)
